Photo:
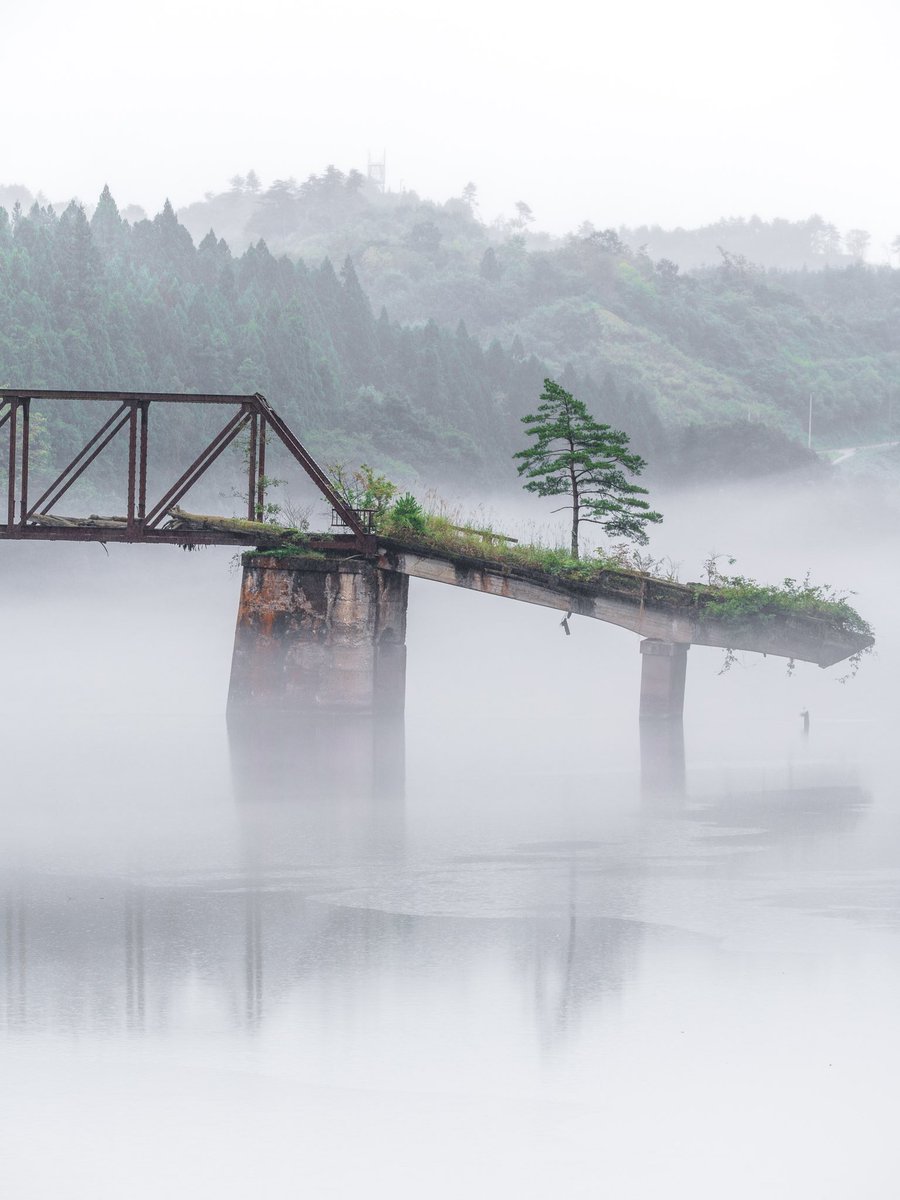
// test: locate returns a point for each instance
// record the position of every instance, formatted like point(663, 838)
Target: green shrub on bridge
point(406, 516)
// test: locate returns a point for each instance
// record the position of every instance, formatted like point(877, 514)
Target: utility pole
point(809, 428)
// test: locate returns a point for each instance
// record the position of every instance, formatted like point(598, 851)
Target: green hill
point(731, 342)
point(709, 372)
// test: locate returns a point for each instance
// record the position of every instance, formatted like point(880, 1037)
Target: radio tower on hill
point(377, 171)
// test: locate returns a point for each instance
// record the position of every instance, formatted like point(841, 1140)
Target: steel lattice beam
point(143, 522)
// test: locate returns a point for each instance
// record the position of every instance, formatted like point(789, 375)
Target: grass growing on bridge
point(733, 599)
point(738, 598)
point(728, 599)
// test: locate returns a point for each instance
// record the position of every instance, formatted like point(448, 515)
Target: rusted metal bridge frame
point(145, 520)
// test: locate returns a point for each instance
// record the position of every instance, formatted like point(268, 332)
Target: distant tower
point(377, 171)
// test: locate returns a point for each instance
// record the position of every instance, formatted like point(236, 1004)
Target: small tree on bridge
point(573, 455)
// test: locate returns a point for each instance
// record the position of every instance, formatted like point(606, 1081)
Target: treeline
point(778, 244)
point(733, 343)
point(103, 304)
point(709, 372)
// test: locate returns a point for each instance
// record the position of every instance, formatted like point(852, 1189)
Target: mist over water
point(512, 947)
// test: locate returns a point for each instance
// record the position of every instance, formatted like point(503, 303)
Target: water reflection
point(15, 956)
point(283, 756)
point(99, 956)
point(135, 965)
point(782, 816)
point(318, 791)
point(662, 761)
point(330, 900)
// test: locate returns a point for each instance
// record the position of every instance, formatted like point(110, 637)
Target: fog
point(631, 114)
point(510, 946)
point(514, 942)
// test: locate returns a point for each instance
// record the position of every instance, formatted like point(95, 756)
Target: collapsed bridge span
point(654, 608)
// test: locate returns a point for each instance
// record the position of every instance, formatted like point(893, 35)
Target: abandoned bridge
point(322, 626)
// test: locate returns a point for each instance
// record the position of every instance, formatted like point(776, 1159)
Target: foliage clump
point(737, 598)
point(407, 516)
point(363, 489)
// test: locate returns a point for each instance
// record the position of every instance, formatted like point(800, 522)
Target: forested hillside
point(103, 304)
point(731, 342)
point(412, 335)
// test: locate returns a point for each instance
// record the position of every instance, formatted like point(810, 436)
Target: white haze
point(538, 967)
point(647, 112)
point(532, 962)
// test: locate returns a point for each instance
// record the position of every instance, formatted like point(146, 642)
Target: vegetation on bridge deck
point(730, 600)
point(733, 599)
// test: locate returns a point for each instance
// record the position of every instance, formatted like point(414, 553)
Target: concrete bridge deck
point(653, 608)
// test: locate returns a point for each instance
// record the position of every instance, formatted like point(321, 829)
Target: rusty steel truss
point(146, 518)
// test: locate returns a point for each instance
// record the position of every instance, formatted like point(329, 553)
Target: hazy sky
point(647, 111)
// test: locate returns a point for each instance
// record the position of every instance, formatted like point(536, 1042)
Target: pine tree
point(358, 327)
point(107, 226)
point(575, 456)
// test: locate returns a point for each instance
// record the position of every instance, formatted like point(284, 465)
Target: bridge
point(150, 520)
point(322, 625)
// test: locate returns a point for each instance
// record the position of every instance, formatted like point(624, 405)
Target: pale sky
point(648, 111)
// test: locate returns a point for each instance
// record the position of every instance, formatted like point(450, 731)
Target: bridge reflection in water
point(662, 762)
point(280, 757)
point(331, 903)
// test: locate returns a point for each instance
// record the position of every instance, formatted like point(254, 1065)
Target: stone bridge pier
point(319, 634)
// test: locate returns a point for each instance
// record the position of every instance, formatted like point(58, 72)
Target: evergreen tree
point(490, 268)
point(107, 226)
point(575, 456)
point(358, 325)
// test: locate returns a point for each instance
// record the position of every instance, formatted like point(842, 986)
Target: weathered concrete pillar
point(663, 668)
point(320, 634)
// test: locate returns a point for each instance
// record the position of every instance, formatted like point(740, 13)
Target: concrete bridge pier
point(663, 669)
point(320, 634)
